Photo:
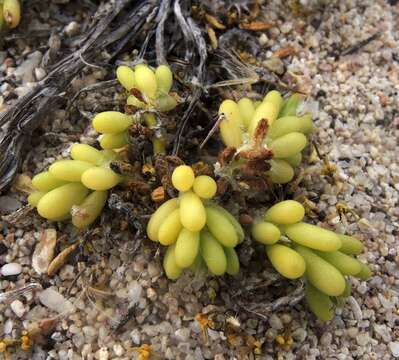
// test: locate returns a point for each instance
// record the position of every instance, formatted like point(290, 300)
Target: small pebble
point(182, 334)
point(135, 291)
point(263, 39)
point(103, 354)
point(67, 272)
point(286, 318)
point(72, 28)
point(326, 339)
point(394, 347)
point(135, 336)
point(55, 301)
point(9, 204)
point(40, 74)
point(275, 65)
point(11, 269)
point(219, 357)
point(39, 354)
point(8, 326)
point(286, 27)
point(352, 332)
point(383, 331)
point(18, 308)
point(89, 331)
point(299, 335)
point(118, 349)
point(363, 339)
point(275, 322)
point(26, 69)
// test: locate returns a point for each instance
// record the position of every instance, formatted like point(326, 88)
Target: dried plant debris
point(44, 251)
point(27, 113)
point(264, 140)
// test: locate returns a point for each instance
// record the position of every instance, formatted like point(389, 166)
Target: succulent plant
point(10, 14)
point(75, 188)
point(148, 95)
point(297, 249)
point(199, 233)
point(263, 138)
point(268, 136)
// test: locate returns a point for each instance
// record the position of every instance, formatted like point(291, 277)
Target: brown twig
point(354, 48)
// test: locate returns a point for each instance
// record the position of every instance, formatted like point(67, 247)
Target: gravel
point(394, 347)
point(11, 269)
point(354, 98)
point(25, 71)
point(9, 204)
point(18, 308)
point(53, 300)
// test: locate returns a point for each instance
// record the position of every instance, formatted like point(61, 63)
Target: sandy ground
point(354, 98)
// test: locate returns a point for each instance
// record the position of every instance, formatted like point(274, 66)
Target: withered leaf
point(256, 26)
point(99, 292)
point(212, 37)
point(44, 251)
point(158, 194)
point(260, 132)
point(246, 219)
point(23, 183)
point(137, 93)
point(61, 259)
point(214, 22)
point(285, 51)
point(226, 155)
point(201, 168)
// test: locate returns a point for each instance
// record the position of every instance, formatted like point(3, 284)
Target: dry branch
point(28, 112)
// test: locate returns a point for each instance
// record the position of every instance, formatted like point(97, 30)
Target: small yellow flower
point(3, 347)
point(26, 342)
point(280, 340)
